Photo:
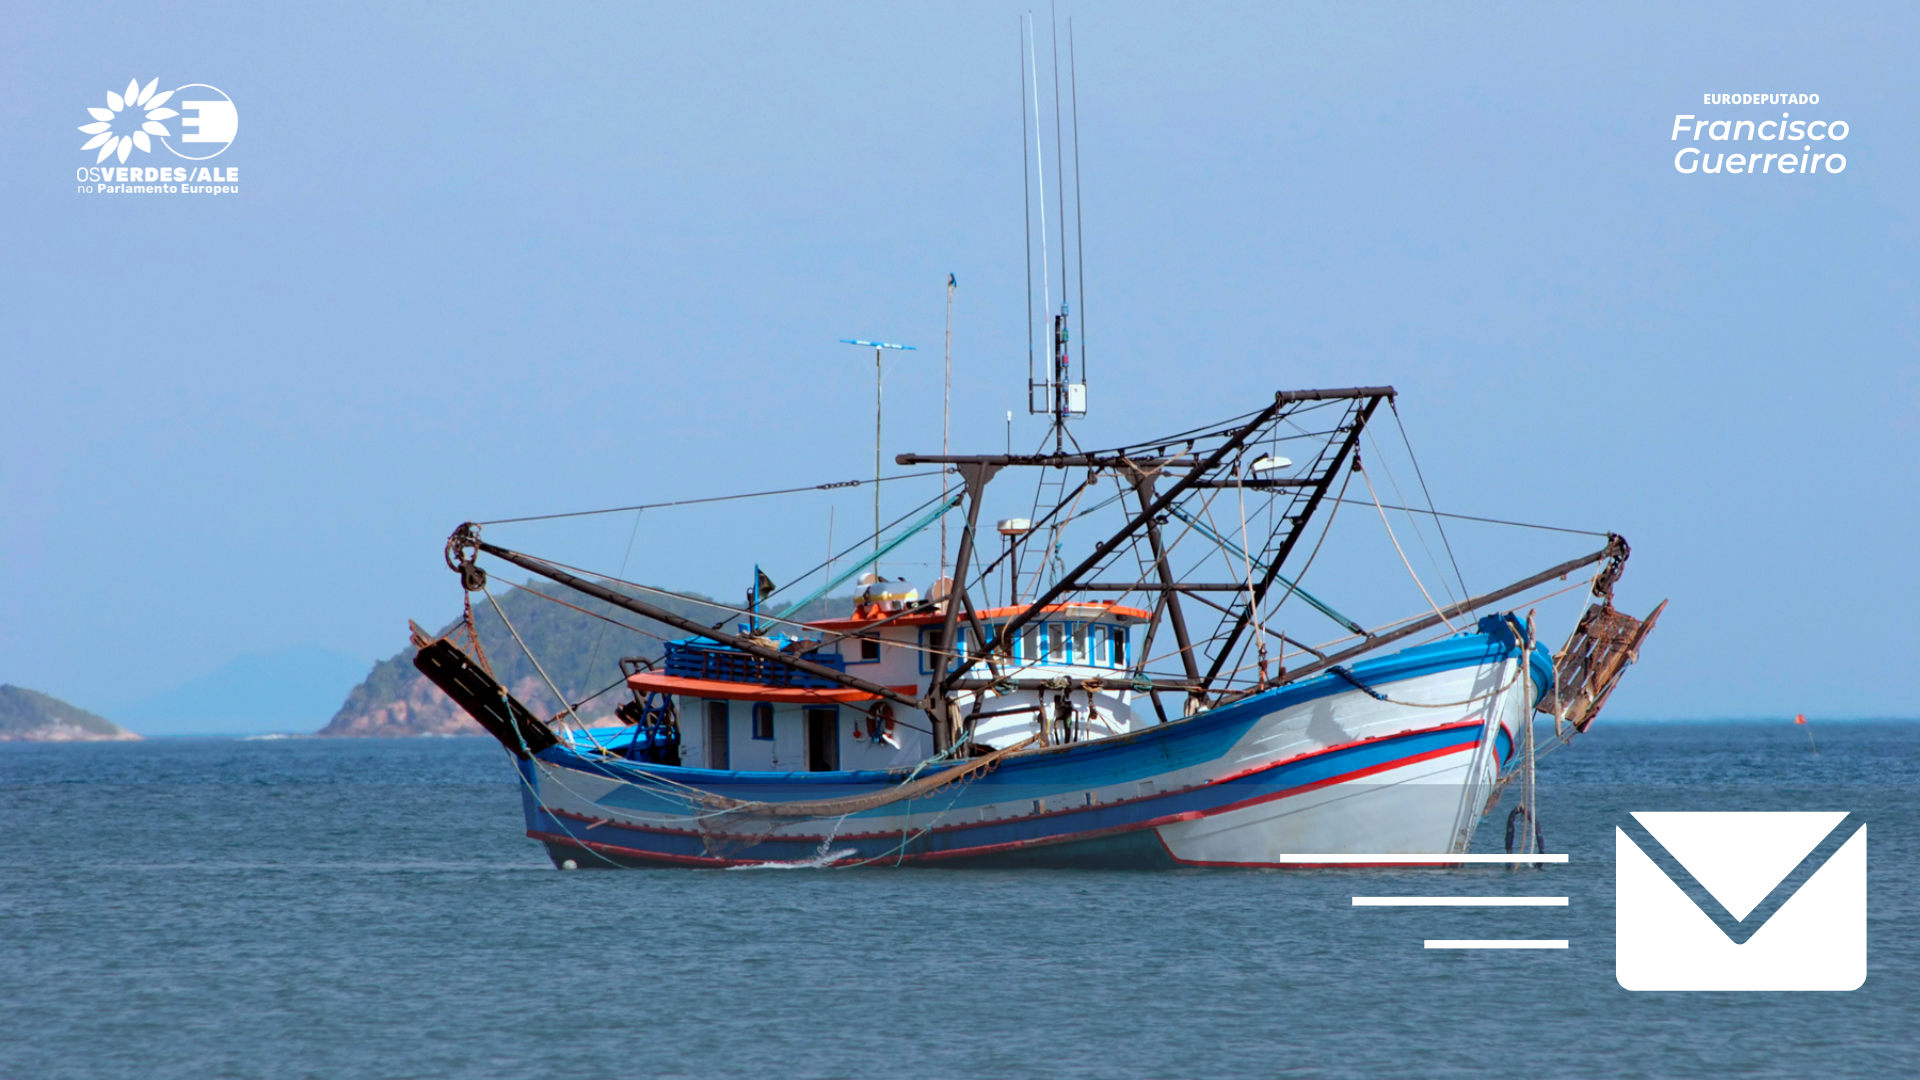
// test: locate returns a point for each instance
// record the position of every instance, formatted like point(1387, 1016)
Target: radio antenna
point(1060, 173)
point(1026, 208)
point(1040, 172)
point(1079, 237)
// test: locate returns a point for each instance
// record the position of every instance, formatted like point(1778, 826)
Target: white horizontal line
point(1496, 943)
point(1401, 857)
point(1459, 901)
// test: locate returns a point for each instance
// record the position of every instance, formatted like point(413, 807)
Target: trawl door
point(823, 738)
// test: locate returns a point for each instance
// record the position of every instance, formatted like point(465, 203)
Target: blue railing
point(688, 661)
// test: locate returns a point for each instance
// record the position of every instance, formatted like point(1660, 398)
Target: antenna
point(946, 415)
point(1026, 209)
point(879, 348)
point(1060, 184)
point(1079, 236)
point(1054, 391)
point(1040, 171)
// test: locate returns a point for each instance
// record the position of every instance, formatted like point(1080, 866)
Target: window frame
point(929, 651)
point(762, 709)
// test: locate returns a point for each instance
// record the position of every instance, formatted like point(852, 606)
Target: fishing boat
point(1119, 677)
point(1121, 712)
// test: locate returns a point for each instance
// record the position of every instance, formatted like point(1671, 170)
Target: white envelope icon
point(1816, 940)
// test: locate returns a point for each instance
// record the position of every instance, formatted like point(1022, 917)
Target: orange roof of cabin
point(648, 681)
point(1095, 609)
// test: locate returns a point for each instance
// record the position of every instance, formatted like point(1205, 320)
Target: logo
point(1762, 901)
point(206, 118)
point(193, 123)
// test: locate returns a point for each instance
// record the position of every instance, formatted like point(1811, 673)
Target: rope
point(820, 808)
point(1342, 671)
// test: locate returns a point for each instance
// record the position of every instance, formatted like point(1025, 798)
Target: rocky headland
point(31, 716)
point(580, 647)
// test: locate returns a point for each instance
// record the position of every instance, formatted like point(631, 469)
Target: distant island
point(31, 716)
point(580, 646)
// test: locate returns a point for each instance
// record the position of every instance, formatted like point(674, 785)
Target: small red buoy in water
point(1801, 718)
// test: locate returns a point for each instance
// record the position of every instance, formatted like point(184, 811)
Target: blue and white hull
point(1397, 755)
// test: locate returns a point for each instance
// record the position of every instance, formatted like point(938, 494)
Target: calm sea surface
point(365, 908)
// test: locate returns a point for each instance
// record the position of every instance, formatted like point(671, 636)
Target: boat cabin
point(1066, 677)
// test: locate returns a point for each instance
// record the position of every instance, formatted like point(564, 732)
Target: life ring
point(880, 723)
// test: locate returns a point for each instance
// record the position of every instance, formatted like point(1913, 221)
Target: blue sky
point(489, 261)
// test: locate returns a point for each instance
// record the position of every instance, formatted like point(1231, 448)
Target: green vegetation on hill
point(29, 715)
point(579, 647)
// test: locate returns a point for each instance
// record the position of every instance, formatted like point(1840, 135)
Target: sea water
point(367, 908)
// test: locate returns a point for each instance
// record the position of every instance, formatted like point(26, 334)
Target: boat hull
point(1397, 756)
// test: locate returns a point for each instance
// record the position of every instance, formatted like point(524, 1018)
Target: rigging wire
point(535, 661)
point(1397, 550)
point(594, 654)
point(1418, 534)
point(1408, 443)
point(832, 558)
point(1485, 520)
point(713, 498)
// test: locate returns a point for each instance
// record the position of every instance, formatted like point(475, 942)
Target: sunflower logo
point(135, 130)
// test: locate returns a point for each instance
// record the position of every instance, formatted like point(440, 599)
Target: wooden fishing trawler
point(1128, 714)
point(1153, 704)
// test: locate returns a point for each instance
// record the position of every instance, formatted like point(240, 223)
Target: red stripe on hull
point(1037, 842)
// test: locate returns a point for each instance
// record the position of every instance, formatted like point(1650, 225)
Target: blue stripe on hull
point(1065, 837)
point(1067, 773)
point(1140, 755)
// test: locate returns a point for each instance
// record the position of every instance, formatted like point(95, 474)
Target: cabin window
point(1080, 653)
point(932, 642)
point(1056, 643)
point(870, 648)
point(1032, 650)
point(1097, 645)
point(1118, 636)
point(717, 717)
point(823, 738)
point(763, 720)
